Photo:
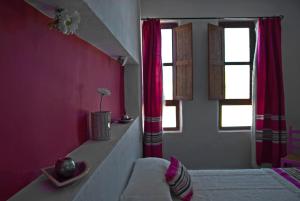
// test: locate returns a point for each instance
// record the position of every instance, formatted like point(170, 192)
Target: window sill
point(248, 131)
point(172, 131)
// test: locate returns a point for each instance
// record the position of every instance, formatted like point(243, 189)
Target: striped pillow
point(179, 180)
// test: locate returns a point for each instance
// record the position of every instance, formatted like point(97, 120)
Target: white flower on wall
point(66, 22)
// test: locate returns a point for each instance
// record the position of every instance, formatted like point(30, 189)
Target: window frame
point(252, 38)
point(172, 102)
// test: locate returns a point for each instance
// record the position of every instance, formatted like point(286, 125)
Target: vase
point(101, 125)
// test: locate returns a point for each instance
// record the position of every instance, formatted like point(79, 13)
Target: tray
point(125, 121)
point(81, 170)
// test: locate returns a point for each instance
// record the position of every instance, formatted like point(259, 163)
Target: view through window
point(170, 119)
point(236, 108)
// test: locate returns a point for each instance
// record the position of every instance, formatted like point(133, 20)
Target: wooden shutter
point(216, 70)
point(183, 69)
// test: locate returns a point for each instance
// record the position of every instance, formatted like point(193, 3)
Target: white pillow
point(147, 182)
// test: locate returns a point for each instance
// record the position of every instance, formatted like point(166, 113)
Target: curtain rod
point(207, 18)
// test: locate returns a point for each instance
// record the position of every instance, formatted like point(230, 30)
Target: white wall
point(122, 18)
point(201, 145)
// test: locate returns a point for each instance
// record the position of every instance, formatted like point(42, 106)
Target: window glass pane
point(166, 45)
point(237, 45)
point(236, 115)
point(169, 117)
point(237, 82)
point(168, 82)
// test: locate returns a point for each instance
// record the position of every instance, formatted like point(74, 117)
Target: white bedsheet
point(241, 185)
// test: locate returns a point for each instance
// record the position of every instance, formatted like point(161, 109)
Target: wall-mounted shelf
point(125, 139)
point(110, 27)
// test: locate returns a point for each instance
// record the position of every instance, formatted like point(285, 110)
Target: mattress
point(242, 185)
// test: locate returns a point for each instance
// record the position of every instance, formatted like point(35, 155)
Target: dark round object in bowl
point(65, 167)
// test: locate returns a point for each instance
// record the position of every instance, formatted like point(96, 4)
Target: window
point(171, 120)
point(177, 59)
point(235, 109)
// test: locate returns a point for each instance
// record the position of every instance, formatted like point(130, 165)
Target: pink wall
point(48, 84)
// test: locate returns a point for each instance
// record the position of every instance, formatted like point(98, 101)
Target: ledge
point(94, 30)
point(93, 152)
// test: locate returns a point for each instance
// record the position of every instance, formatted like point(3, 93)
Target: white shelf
point(93, 152)
point(115, 36)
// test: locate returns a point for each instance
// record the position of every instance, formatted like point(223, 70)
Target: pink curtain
point(152, 88)
point(270, 122)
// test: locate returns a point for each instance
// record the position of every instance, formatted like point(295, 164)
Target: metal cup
point(101, 125)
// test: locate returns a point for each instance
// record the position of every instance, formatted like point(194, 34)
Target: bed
point(148, 183)
point(244, 185)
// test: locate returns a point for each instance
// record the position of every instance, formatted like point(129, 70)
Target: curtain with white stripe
point(270, 124)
